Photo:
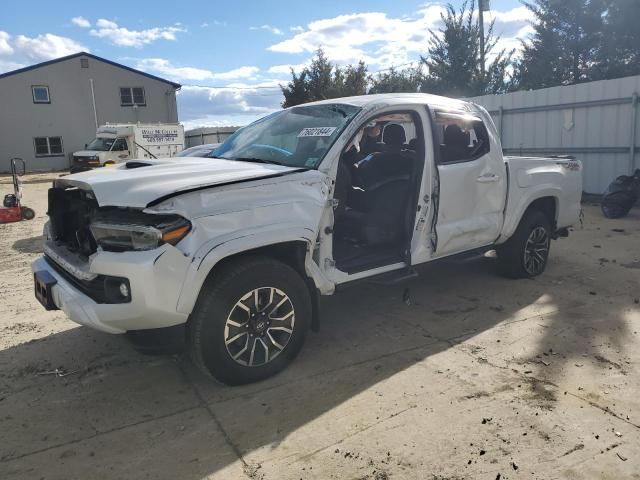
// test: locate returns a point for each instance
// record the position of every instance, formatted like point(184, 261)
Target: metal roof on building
point(89, 55)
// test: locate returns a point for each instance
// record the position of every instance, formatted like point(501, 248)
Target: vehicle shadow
point(116, 413)
point(29, 245)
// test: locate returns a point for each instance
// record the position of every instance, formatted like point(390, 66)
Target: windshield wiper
point(253, 160)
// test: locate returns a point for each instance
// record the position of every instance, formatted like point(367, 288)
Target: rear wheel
point(27, 213)
point(250, 320)
point(526, 253)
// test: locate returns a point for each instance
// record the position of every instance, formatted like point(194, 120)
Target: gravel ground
point(473, 377)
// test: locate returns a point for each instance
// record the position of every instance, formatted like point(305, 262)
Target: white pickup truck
point(238, 248)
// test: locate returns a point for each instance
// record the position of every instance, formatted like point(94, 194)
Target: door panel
point(473, 183)
point(471, 204)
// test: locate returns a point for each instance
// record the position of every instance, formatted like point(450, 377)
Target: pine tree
point(322, 80)
point(620, 51)
point(395, 81)
point(565, 45)
point(453, 60)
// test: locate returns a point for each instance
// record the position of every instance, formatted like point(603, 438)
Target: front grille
point(86, 161)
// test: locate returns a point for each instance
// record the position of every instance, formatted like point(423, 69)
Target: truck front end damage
point(113, 269)
point(129, 249)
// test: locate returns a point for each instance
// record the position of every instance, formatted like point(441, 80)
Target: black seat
point(382, 220)
point(394, 137)
point(456, 143)
point(379, 198)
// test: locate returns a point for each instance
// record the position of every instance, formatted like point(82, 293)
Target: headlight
point(116, 237)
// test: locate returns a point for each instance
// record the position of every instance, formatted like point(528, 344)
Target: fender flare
point(515, 211)
point(214, 251)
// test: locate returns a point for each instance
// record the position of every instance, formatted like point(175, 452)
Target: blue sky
point(246, 46)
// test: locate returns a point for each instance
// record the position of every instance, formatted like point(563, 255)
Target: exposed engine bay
point(80, 225)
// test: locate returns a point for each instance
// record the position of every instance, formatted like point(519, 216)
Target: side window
point(119, 145)
point(40, 94)
point(462, 137)
point(48, 146)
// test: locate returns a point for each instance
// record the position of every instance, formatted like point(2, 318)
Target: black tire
point(209, 331)
point(27, 213)
point(523, 255)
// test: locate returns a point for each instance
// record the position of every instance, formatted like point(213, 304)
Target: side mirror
point(86, 145)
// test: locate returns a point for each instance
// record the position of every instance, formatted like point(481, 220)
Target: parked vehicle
point(12, 209)
point(198, 150)
point(238, 248)
point(117, 143)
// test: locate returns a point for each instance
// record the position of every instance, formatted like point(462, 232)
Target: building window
point(40, 94)
point(48, 146)
point(84, 63)
point(130, 96)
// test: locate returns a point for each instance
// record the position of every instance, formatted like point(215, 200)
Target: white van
point(117, 143)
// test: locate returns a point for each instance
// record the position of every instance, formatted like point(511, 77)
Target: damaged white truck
point(238, 247)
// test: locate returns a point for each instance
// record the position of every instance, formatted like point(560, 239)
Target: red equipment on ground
point(12, 210)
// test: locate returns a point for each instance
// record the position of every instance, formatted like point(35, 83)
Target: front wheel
point(250, 320)
point(526, 253)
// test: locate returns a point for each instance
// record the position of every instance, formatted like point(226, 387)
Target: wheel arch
point(294, 253)
point(545, 200)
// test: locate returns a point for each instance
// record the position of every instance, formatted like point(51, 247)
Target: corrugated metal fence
point(596, 122)
point(200, 136)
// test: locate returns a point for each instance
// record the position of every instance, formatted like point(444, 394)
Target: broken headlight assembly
point(120, 236)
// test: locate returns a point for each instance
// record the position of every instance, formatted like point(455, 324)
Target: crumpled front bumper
point(155, 279)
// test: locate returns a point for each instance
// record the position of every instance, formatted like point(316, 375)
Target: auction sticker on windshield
point(317, 132)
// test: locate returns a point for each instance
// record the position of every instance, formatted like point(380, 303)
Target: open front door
point(473, 183)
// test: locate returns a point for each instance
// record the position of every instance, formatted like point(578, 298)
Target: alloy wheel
point(536, 250)
point(259, 326)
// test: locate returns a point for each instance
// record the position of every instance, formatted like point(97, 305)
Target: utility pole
point(483, 5)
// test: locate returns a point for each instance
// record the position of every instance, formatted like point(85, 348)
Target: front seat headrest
point(454, 135)
point(394, 135)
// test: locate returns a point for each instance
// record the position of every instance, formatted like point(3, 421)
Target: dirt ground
point(471, 377)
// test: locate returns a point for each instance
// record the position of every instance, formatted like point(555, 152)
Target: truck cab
point(235, 248)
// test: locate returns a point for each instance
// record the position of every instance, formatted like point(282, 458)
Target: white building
point(52, 109)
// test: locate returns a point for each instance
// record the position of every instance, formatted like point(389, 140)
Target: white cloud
point(286, 68)
point(45, 47)
point(383, 41)
point(5, 47)
point(521, 14)
point(7, 66)
point(20, 51)
point(373, 37)
point(242, 72)
point(205, 106)
point(81, 22)
point(166, 68)
point(124, 37)
point(269, 28)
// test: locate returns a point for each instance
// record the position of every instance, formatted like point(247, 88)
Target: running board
point(395, 277)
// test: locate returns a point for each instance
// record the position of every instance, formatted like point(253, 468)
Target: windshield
point(297, 137)
point(101, 144)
